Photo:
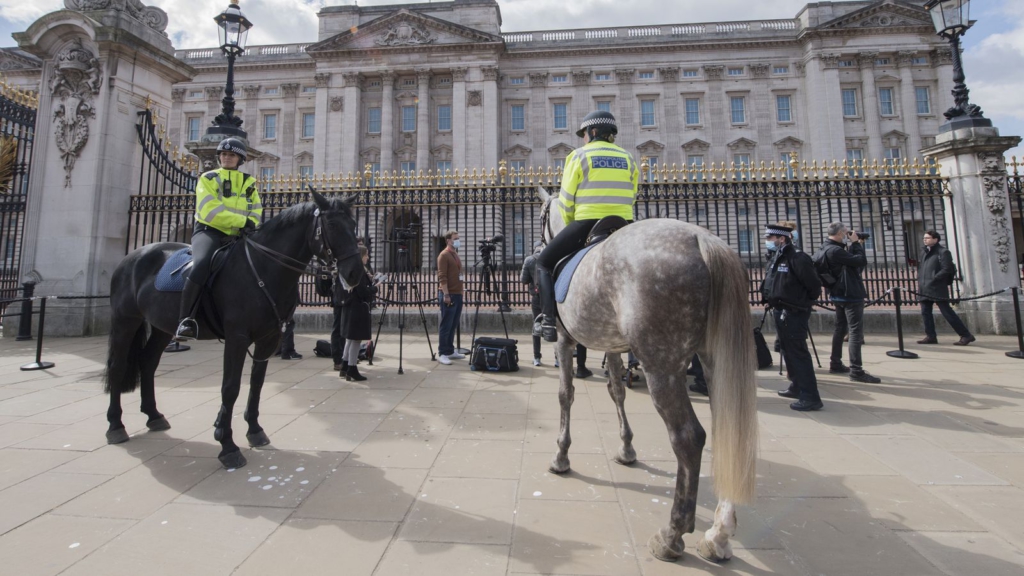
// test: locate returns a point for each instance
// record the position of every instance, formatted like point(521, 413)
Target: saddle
point(566, 267)
point(178, 268)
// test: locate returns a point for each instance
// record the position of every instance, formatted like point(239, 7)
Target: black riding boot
point(353, 374)
point(547, 298)
point(188, 329)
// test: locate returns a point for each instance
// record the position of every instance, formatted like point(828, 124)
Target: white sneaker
point(456, 356)
point(536, 361)
point(443, 359)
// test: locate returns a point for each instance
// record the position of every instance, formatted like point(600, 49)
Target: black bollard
point(1019, 352)
point(901, 353)
point(25, 326)
point(39, 364)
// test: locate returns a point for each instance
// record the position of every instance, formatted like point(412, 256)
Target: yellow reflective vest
point(600, 179)
point(225, 199)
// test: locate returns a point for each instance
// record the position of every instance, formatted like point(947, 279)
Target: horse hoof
point(158, 424)
point(625, 457)
point(119, 436)
point(259, 439)
point(232, 459)
point(707, 552)
point(559, 465)
point(664, 551)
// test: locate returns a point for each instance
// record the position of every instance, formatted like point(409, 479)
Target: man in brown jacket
point(449, 296)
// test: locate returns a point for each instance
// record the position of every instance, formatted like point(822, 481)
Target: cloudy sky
point(994, 57)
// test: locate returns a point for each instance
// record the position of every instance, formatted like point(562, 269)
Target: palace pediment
point(404, 30)
point(11, 60)
point(882, 14)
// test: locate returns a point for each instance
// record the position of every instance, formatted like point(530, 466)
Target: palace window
point(518, 117)
point(266, 176)
point(652, 166)
point(517, 167)
point(408, 118)
point(742, 162)
point(924, 101)
point(195, 94)
point(850, 103)
point(308, 89)
point(696, 162)
point(269, 126)
point(604, 106)
point(270, 91)
point(647, 119)
point(193, 128)
point(306, 173)
point(692, 111)
point(920, 60)
point(373, 121)
point(516, 80)
point(735, 71)
point(738, 109)
point(560, 78)
point(783, 107)
point(882, 62)
point(444, 118)
point(885, 102)
point(602, 77)
point(780, 70)
point(561, 117)
point(444, 169)
point(647, 75)
point(746, 238)
point(691, 73)
point(308, 125)
point(846, 63)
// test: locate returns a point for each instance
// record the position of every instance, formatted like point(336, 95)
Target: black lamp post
point(952, 19)
point(234, 28)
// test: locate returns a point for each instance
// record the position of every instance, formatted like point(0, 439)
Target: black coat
point(935, 272)
point(355, 312)
point(848, 286)
point(791, 280)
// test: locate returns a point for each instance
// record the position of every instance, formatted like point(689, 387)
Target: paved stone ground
point(444, 471)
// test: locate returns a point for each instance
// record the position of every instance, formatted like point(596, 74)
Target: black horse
point(257, 288)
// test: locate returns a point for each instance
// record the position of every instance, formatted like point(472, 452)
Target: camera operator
point(790, 287)
point(449, 296)
point(842, 258)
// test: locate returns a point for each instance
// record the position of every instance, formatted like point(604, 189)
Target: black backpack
point(494, 355)
point(822, 268)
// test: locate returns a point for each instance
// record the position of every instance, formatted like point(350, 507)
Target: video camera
point(489, 245)
point(408, 233)
point(864, 235)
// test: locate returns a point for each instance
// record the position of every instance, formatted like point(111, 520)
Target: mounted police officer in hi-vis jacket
point(600, 179)
point(226, 203)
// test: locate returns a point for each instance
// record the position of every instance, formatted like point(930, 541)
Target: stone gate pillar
point(979, 231)
point(103, 60)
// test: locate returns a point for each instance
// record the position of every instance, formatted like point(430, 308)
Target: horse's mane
point(297, 214)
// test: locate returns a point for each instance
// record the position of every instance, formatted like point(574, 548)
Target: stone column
point(323, 121)
point(763, 111)
point(979, 229)
point(716, 121)
point(178, 126)
point(459, 118)
point(908, 101)
point(288, 129)
point(250, 111)
point(942, 60)
point(351, 109)
point(824, 102)
point(581, 102)
point(214, 95)
point(492, 117)
point(100, 69)
point(537, 121)
point(423, 130)
point(870, 113)
point(627, 105)
point(674, 115)
point(387, 121)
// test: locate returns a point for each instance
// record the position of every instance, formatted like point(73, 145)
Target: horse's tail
point(734, 386)
point(124, 349)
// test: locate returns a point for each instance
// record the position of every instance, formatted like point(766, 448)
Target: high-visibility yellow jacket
point(600, 179)
point(225, 199)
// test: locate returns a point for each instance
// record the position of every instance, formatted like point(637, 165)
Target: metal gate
point(17, 132)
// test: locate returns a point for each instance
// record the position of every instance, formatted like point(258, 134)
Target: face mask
point(456, 244)
point(796, 235)
point(770, 244)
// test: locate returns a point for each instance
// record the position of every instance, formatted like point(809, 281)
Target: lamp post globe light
point(233, 31)
point(952, 20)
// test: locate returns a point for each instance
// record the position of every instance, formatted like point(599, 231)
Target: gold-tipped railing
point(17, 95)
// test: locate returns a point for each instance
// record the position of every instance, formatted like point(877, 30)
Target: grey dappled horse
point(143, 319)
point(666, 289)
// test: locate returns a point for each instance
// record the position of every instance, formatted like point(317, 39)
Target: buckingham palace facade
point(440, 86)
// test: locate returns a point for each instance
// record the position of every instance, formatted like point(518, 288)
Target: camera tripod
point(402, 286)
point(485, 279)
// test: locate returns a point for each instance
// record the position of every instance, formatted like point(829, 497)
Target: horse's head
point(550, 220)
point(337, 232)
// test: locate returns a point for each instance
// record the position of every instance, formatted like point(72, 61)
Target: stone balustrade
point(667, 32)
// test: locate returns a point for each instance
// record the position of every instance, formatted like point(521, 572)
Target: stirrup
point(188, 329)
point(549, 332)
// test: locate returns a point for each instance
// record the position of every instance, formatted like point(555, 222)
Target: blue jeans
point(449, 320)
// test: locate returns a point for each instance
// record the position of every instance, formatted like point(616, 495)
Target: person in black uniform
point(791, 286)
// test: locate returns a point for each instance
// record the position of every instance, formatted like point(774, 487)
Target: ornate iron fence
point(1016, 185)
point(408, 214)
point(17, 133)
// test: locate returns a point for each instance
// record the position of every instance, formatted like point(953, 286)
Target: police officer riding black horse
point(600, 179)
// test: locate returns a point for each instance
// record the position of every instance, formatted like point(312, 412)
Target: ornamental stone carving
point(943, 56)
point(337, 103)
point(178, 94)
point(867, 59)
point(625, 75)
point(322, 79)
point(581, 77)
point(423, 77)
point(538, 79)
point(214, 92)
point(713, 71)
point(406, 34)
point(993, 177)
point(151, 16)
point(459, 74)
point(74, 85)
point(251, 90)
point(474, 98)
point(669, 74)
point(352, 79)
point(905, 58)
point(290, 90)
point(759, 70)
point(490, 73)
point(801, 67)
point(830, 60)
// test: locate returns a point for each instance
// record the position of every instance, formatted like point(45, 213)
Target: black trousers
point(849, 317)
point(337, 342)
point(205, 241)
point(287, 343)
point(793, 335)
point(698, 371)
point(569, 240)
point(536, 308)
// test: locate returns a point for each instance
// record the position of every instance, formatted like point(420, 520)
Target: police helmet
point(233, 145)
point(599, 118)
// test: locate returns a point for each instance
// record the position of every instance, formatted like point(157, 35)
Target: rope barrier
point(961, 299)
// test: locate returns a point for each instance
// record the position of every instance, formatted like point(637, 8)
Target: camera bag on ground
point(764, 355)
point(322, 349)
point(494, 355)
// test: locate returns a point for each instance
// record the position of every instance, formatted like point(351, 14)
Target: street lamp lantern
point(952, 19)
point(234, 27)
point(233, 30)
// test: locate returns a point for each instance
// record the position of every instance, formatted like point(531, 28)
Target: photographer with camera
point(839, 262)
point(449, 296)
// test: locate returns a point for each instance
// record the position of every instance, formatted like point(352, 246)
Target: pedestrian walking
point(935, 274)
